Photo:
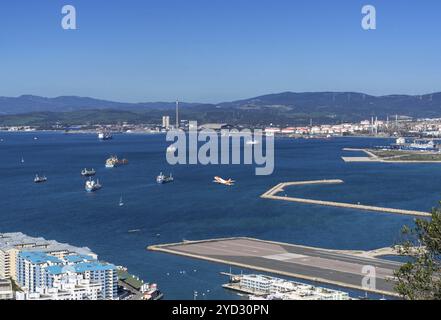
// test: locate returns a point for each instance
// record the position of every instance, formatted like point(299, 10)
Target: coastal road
point(314, 264)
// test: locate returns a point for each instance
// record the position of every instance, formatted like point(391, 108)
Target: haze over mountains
point(280, 108)
point(30, 103)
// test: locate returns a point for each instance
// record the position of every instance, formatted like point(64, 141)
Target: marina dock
point(272, 194)
point(339, 268)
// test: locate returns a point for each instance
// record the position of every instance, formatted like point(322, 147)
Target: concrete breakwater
point(272, 194)
point(397, 158)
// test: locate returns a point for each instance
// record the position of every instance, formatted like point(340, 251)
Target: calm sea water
point(195, 208)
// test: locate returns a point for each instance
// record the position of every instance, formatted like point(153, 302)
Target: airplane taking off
point(228, 182)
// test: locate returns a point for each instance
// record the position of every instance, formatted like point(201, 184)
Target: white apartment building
point(70, 287)
point(31, 269)
point(73, 277)
point(12, 243)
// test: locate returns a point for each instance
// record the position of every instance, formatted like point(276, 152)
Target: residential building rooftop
point(93, 266)
point(22, 241)
point(39, 257)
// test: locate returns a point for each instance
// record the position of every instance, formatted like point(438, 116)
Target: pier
point(339, 268)
point(272, 194)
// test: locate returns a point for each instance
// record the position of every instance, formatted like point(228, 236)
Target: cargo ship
point(88, 173)
point(92, 185)
point(39, 179)
point(161, 179)
point(113, 161)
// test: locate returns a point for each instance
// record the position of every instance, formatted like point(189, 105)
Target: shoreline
point(371, 157)
point(147, 132)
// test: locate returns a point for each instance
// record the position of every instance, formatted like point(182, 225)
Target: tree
point(419, 278)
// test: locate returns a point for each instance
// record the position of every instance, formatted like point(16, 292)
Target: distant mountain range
point(30, 103)
point(281, 108)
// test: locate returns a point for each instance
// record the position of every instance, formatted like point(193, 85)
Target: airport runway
point(314, 264)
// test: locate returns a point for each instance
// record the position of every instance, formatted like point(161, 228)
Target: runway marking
point(258, 247)
point(318, 251)
point(210, 249)
point(284, 256)
point(263, 249)
point(353, 267)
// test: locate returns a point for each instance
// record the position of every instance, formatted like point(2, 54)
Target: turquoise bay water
point(195, 208)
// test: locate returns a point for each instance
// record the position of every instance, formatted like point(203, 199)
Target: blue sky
point(217, 50)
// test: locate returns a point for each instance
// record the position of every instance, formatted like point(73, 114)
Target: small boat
point(92, 185)
point(39, 179)
point(104, 136)
point(161, 179)
point(88, 173)
point(22, 160)
point(252, 142)
point(121, 203)
point(365, 297)
point(171, 149)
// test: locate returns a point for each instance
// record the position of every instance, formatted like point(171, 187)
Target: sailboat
point(121, 203)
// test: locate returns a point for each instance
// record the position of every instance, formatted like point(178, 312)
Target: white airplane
point(228, 182)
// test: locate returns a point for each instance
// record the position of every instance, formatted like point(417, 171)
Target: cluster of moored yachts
point(92, 185)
